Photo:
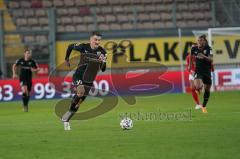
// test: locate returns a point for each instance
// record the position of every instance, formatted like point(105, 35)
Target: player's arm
point(208, 57)
point(71, 47)
point(34, 67)
point(190, 59)
point(14, 69)
point(103, 59)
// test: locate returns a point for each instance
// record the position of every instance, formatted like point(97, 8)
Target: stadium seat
point(62, 12)
point(114, 26)
point(77, 20)
point(28, 13)
point(68, 3)
point(14, 5)
point(103, 27)
point(158, 25)
point(153, 13)
point(100, 19)
point(58, 3)
point(32, 21)
point(106, 9)
point(36, 4)
point(70, 28)
point(65, 20)
point(150, 8)
point(81, 28)
point(25, 4)
point(47, 4)
point(128, 9)
point(42, 38)
point(80, 3)
point(122, 18)
point(143, 17)
point(91, 27)
point(155, 16)
point(102, 2)
point(17, 13)
point(127, 26)
point(29, 38)
point(37, 28)
point(169, 24)
point(21, 21)
point(60, 28)
point(40, 13)
point(91, 2)
point(43, 21)
point(110, 18)
point(118, 9)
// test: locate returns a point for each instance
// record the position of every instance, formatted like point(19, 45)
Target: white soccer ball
point(126, 123)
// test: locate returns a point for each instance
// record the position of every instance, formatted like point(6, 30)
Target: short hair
point(203, 36)
point(97, 33)
point(27, 49)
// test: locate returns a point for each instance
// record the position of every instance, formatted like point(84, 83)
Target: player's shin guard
point(195, 96)
point(24, 99)
point(27, 99)
point(72, 110)
point(206, 97)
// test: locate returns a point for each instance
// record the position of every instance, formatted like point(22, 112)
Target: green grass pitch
point(39, 133)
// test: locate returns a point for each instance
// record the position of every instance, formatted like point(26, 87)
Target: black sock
point(24, 99)
point(27, 100)
point(74, 103)
point(206, 97)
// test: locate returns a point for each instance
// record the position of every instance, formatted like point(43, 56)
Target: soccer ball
point(126, 123)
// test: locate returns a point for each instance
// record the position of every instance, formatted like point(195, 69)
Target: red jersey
point(193, 67)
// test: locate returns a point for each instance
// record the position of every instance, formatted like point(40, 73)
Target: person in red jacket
point(191, 80)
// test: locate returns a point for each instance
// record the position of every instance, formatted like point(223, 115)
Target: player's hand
point(67, 63)
point(35, 69)
point(15, 76)
point(193, 73)
point(200, 56)
point(189, 68)
point(102, 58)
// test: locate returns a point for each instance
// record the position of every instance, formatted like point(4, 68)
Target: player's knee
point(80, 91)
point(24, 94)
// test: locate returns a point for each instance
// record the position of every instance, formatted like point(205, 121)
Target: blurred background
point(160, 31)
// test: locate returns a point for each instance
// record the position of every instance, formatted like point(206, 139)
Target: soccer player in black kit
point(204, 58)
point(92, 59)
point(27, 66)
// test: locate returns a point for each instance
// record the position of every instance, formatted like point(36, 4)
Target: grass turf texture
point(40, 134)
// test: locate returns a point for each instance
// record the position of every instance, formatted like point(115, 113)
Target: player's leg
point(193, 91)
point(25, 95)
point(77, 99)
point(29, 87)
point(80, 95)
point(198, 84)
point(207, 86)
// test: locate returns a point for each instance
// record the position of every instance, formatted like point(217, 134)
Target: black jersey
point(25, 66)
point(202, 65)
point(87, 69)
point(85, 49)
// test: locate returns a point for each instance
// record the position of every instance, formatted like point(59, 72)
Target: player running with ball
point(202, 75)
point(92, 59)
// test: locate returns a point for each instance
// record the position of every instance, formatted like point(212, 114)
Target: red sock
point(195, 96)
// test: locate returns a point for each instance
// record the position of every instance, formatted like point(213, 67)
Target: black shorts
point(77, 80)
point(26, 82)
point(204, 76)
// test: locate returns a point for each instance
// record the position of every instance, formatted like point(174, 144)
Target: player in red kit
point(191, 81)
